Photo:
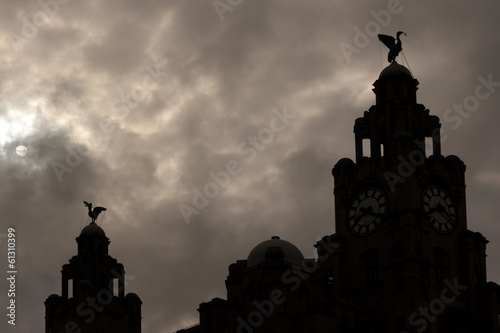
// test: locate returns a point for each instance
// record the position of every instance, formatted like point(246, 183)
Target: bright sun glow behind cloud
point(16, 124)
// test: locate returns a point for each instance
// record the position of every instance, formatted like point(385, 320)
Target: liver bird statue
point(94, 213)
point(394, 45)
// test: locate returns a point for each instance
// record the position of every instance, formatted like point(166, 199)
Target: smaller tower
point(93, 291)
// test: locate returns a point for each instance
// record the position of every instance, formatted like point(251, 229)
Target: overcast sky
point(136, 105)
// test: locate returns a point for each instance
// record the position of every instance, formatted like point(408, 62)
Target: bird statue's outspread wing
point(387, 40)
point(98, 210)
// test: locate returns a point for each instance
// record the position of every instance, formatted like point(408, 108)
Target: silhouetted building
point(401, 259)
point(93, 291)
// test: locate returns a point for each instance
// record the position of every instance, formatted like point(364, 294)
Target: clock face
point(439, 206)
point(366, 211)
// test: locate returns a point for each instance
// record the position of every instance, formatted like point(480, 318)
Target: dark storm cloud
point(215, 85)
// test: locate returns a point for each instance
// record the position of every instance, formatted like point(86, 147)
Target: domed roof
point(345, 163)
point(275, 248)
point(453, 158)
point(53, 298)
point(93, 229)
point(394, 68)
point(133, 297)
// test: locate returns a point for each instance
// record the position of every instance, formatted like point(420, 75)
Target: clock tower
point(406, 261)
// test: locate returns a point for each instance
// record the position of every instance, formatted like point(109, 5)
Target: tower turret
point(93, 291)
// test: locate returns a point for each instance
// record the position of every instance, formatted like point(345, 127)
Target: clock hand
point(359, 217)
point(440, 209)
point(444, 212)
point(364, 211)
